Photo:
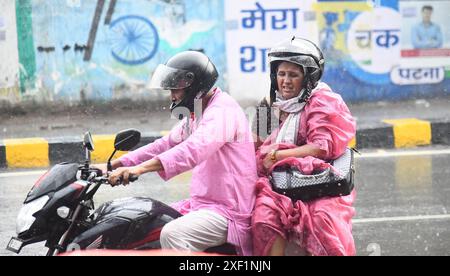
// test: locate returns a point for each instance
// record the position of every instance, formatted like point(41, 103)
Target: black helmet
point(301, 52)
point(189, 70)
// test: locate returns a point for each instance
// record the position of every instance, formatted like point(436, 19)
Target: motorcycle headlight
point(25, 218)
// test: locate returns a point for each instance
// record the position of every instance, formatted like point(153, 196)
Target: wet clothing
point(219, 148)
point(321, 226)
point(195, 231)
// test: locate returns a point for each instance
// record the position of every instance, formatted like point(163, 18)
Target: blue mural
point(107, 49)
point(92, 49)
point(136, 40)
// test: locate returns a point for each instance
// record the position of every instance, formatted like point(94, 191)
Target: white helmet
point(302, 52)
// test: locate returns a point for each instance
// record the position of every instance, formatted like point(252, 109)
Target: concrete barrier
point(40, 152)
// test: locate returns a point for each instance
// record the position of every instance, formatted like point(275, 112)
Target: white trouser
point(196, 231)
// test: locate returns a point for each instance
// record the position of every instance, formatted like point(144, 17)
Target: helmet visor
point(168, 78)
point(302, 60)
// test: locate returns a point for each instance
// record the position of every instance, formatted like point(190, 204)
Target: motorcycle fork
point(60, 246)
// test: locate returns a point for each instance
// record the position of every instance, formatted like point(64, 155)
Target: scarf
point(289, 130)
point(289, 106)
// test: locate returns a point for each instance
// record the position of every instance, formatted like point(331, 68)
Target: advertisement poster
point(425, 29)
point(252, 28)
point(425, 47)
point(371, 54)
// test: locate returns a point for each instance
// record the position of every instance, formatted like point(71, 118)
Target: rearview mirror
point(88, 143)
point(127, 139)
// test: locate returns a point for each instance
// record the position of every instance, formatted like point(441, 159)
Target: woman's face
point(290, 79)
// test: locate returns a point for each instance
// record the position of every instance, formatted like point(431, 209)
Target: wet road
point(402, 205)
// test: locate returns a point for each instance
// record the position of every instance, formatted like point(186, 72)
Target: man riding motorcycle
point(216, 143)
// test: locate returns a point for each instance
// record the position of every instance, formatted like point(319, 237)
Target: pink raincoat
point(220, 150)
point(322, 226)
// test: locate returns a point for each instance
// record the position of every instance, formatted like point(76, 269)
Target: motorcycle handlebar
point(133, 178)
point(104, 179)
point(96, 175)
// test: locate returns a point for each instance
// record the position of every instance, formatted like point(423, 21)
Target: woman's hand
point(268, 152)
point(123, 174)
point(267, 149)
point(268, 162)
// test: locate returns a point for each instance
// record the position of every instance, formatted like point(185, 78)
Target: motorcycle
point(59, 209)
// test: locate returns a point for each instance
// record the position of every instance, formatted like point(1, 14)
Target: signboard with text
point(252, 28)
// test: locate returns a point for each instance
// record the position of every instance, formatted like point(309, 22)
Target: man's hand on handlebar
point(102, 167)
point(124, 175)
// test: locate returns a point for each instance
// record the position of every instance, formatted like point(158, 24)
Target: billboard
point(252, 27)
point(425, 47)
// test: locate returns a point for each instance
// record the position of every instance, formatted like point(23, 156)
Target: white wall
point(9, 57)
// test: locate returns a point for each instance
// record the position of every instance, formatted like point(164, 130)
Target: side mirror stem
point(88, 155)
point(88, 158)
point(109, 161)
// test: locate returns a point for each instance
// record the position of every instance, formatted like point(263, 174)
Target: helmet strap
point(187, 101)
point(307, 91)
